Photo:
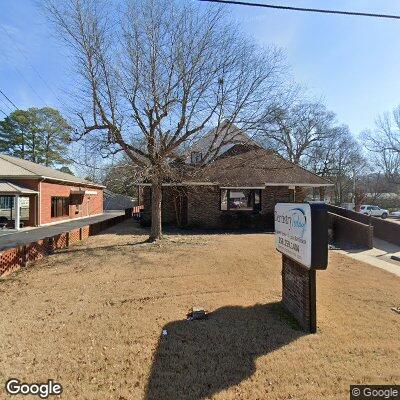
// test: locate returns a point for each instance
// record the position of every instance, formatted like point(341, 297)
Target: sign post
point(301, 235)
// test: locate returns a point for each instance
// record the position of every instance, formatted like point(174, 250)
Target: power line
point(3, 112)
point(1, 92)
point(314, 10)
point(27, 82)
point(5, 104)
point(30, 64)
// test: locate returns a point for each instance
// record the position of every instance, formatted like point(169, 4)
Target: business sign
point(301, 233)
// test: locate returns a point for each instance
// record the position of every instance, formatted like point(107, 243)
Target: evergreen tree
point(40, 135)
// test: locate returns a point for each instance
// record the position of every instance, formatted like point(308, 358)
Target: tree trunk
point(156, 196)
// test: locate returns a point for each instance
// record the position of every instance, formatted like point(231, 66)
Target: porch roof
point(10, 189)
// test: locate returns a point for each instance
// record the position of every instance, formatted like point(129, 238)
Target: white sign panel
point(293, 231)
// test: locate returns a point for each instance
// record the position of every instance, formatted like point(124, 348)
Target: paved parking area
point(27, 236)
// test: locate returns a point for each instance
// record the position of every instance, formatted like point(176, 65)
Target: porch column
point(17, 218)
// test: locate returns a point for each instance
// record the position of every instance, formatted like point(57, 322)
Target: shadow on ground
point(133, 226)
point(200, 358)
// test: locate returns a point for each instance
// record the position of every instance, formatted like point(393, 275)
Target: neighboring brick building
point(51, 195)
point(238, 190)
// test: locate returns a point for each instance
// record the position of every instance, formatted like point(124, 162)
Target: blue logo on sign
point(298, 221)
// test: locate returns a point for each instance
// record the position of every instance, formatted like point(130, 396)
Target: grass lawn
point(91, 317)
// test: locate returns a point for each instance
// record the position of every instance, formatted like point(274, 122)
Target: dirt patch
point(91, 317)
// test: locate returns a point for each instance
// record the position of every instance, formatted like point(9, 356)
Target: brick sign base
point(299, 293)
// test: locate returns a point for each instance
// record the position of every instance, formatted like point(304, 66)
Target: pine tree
point(38, 135)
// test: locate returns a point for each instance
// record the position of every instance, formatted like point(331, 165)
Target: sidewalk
point(379, 256)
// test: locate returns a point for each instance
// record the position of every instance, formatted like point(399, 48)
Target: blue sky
point(351, 62)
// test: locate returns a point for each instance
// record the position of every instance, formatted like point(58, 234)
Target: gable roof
point(12, 167)
point(254, 168)
point(228, 133)
point(10, 188)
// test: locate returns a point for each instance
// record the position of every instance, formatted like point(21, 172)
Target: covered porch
point(18, 206)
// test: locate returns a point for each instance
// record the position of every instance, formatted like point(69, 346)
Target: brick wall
point(203, 208)
point(91, 204)
point(349, 233)
point(21, 256)
point(298, 293)
point(168, 211)
point(383, 229)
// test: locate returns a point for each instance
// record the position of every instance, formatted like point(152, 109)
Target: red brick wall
point(297, 297)
point(91, 205)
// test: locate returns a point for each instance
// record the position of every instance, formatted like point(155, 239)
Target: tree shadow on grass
point(200, 358)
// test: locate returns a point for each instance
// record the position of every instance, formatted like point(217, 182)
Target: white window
point(241, 199)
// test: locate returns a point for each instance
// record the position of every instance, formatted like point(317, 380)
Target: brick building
point(237, 190)
point(36, 195)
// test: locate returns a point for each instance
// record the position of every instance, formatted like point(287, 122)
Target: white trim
point(39, 207)
point(242, 187)
point(71, 219)
point(300, 184)
point(81, 183)
point(84, 192)
point(74, 183)
point(17, 217)
point(182, 184)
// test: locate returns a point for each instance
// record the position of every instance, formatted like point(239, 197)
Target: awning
point(83, 192)
point(11, 189)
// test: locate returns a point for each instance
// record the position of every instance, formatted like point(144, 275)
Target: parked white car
point(374, 211)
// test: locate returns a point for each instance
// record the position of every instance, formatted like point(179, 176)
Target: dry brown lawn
point(91, 317)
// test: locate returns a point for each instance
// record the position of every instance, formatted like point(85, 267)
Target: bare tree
point(296, 130)
point(155, 75)
point(384, 144)
point(338, 157)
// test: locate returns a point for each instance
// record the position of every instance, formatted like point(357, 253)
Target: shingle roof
point(12, 167)
point(12, 188)
point(254, 168)
point(230, 134)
